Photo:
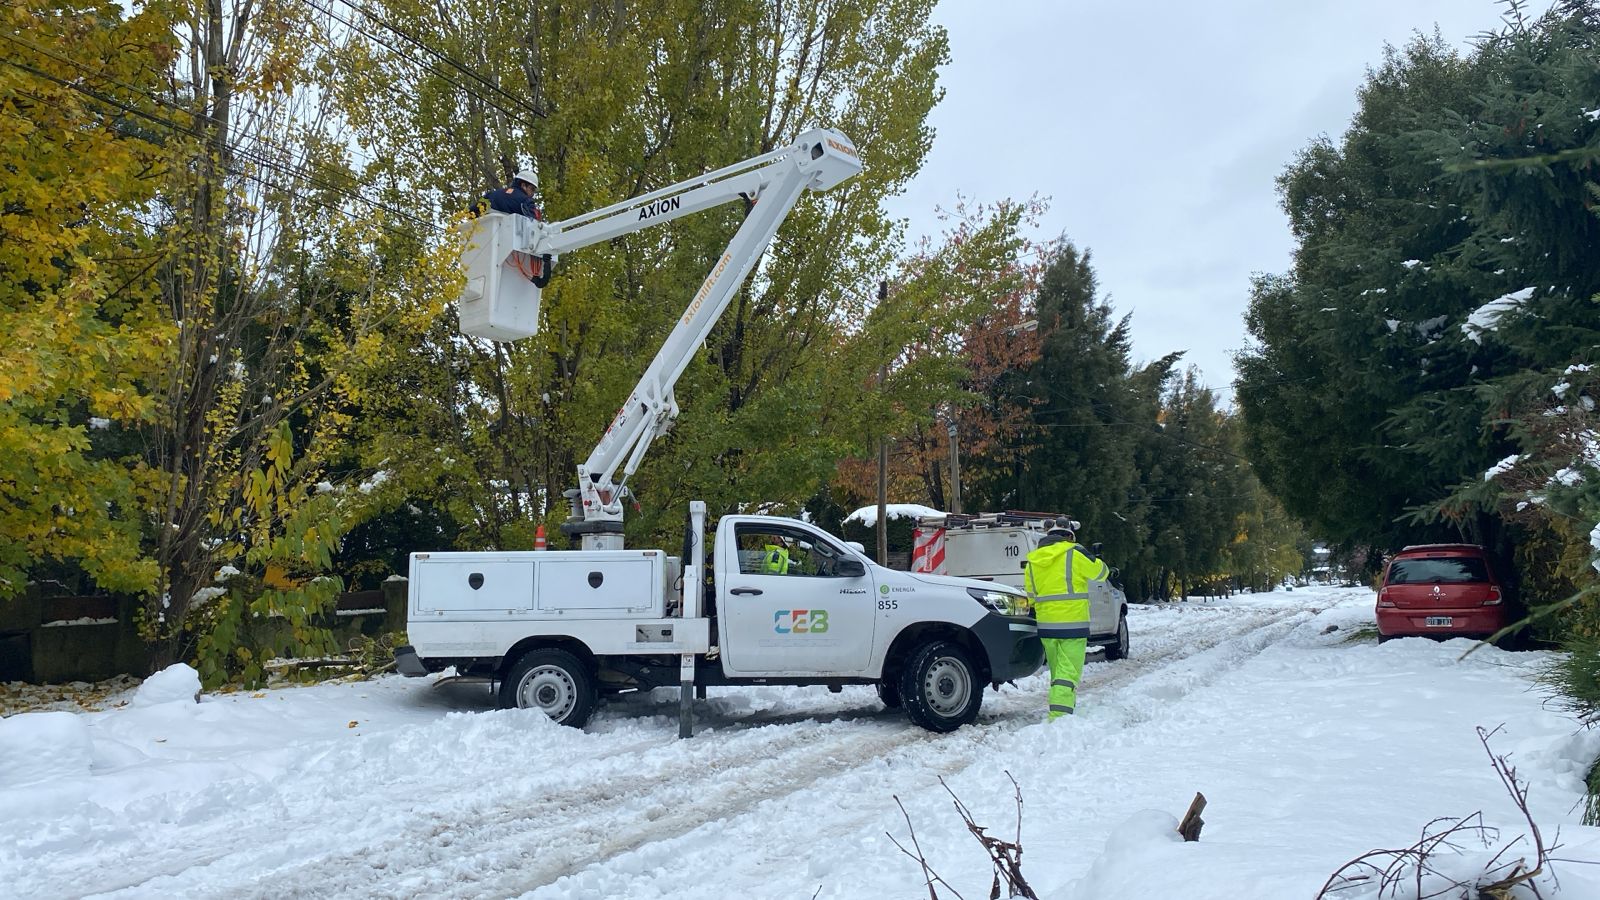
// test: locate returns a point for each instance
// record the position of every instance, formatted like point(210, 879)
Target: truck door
point(784, 607)
point(1103, 608)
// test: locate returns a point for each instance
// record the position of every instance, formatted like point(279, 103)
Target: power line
point(447, 60)
point(247, 154)
point(1155, 428)
point(264, 182)
point(398, 53)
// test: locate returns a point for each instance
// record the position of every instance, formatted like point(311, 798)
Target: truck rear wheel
point(939, 687)
point(553, 681)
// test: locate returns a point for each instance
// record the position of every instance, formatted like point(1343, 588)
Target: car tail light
point(1494, 597)
point(1383, 598)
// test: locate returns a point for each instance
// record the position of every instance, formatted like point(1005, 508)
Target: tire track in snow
point(514, 837)
point(429, 826)
point(214, 839)
point(456, 858)
point(955, 752)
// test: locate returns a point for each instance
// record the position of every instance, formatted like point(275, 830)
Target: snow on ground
point(1312, 748)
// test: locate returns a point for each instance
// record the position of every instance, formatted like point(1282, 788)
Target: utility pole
point(955, 469)
point(883, 458)
point(883, 487)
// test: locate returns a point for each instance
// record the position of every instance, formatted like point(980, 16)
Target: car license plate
point(1440, 621)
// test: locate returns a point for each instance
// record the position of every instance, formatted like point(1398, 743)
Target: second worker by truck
point(1059, 576)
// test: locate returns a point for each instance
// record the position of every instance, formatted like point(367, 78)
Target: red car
point(1440, 589)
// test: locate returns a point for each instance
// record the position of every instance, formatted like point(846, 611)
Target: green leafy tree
point(85, 329)
point(611, 101)
point(936, 349)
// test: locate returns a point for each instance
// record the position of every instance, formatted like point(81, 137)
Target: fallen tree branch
point(929, 876)
point(1498, 880)
point(1005, 856)
point(1192, 823)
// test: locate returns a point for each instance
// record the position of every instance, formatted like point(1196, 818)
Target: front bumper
point(1012, 645)
point(1473, 620)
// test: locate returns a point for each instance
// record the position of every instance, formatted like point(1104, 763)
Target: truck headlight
point(1002, 601)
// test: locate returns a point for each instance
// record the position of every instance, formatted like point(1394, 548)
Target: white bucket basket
point(500, 301)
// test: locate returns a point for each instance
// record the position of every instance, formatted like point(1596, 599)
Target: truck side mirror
point(1095, 548)
point(850, 568)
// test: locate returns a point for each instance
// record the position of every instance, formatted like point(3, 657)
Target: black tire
point(889, 692)
point(940, 687)
point(554, 681)
point(1385, 638)
point(1118, 649)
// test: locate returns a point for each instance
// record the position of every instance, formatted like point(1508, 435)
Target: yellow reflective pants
point(1064, 628)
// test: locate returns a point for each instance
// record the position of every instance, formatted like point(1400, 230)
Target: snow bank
point(43, 745)
point(1133, 851)
point(868, 515)
point(175, 682)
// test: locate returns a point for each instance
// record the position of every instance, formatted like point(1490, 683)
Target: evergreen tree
point(1198, 487)
point(1445, 261)
point(1085, 409)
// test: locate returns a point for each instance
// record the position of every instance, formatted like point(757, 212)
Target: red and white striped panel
point(927, 550)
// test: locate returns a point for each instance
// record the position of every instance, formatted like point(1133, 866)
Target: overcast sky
point(1156, 130)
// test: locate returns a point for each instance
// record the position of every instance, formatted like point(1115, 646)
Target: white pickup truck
point(994, 547)
point(786, 603)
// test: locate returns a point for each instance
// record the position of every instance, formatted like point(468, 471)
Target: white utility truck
point(994, 547)
point(778, 601)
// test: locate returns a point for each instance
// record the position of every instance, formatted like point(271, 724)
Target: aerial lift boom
point(496, 301)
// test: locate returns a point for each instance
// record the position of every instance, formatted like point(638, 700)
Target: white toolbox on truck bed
point(535, 584)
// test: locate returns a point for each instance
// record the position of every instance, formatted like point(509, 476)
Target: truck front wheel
point(1118, 649)
point(553, 681)
point(939, 687)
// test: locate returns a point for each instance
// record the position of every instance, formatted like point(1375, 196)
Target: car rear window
point(1439, 570)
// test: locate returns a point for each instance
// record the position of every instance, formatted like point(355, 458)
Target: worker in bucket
point(517, 197)
point(1059, 573)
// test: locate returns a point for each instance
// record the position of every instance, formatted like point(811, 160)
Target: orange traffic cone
point(538, 539)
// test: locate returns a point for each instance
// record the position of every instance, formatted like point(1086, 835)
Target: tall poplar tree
point(610, 101)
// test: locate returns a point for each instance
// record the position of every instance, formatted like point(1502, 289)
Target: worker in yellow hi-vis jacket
point(1059, 573)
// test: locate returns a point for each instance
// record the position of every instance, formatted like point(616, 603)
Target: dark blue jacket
point(510, 199)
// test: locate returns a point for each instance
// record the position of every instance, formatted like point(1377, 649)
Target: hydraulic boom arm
point(772, 183)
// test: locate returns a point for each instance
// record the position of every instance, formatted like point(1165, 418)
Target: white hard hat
point(527, 175)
